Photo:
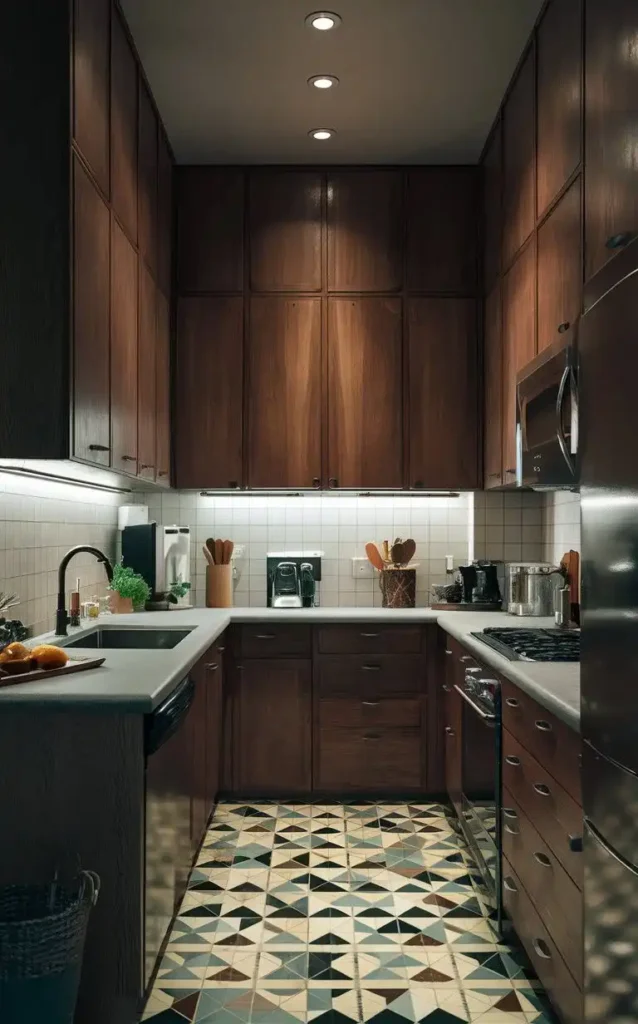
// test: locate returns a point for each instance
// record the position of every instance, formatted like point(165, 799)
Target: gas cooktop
point(532, 644)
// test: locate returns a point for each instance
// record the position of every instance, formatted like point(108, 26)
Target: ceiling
point(420, 80)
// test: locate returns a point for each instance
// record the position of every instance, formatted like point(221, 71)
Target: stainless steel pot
point(531, 587)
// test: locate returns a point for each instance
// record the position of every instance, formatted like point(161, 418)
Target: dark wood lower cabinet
point(373, 760)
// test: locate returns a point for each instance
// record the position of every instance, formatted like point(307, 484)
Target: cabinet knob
point(448, 689)
point(448, 651)
point(234, 484)
point(513, 761)
point(619, 240)
point(99, 448)
point(509, 884)
point(542, 859)
point(129, 458)
point(542, 949)
point(333, 482)
point(509, 812)
point(543, 726)
point(511, 702)
point(212, 666)
point(563, 327)
point(449, 730)
point(542, 789)
point(316, 481)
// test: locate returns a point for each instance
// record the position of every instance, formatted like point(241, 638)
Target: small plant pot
point(120, 605)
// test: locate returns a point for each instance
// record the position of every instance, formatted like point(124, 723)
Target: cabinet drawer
point(370, 639)
point(365, 713)
point(266, 640)
point(542, 951)
point(558, 901)
point(550, 808)
point(556, 746)
point(370, 676)
point(368, 759)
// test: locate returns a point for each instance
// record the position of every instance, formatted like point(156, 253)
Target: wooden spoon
point(409, 547)
point(374, 556)
point(219, 552)
point(397, 553)
point(207, 555)
point(228, 552)
point(210, 544)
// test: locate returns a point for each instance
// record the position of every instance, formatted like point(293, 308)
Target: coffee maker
point(291, 579)
point(162, 555)
point(483, 582)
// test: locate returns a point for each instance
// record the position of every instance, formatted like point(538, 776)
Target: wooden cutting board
point(76, 665)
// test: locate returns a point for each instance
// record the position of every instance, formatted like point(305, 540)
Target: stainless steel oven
point(547, 416)
point(481, 771)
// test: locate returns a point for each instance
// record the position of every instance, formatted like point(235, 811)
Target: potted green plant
point(129, 590)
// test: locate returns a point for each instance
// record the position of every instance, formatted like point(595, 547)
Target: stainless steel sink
point(146, 638)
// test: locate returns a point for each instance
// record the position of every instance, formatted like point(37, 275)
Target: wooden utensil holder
point(398, 587)
point(219, 586)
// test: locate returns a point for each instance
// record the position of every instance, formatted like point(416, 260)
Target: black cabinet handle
point(316, 481)
point(542, 949)
point(129, 458)
point(99, 448)
point(543, 726)
point(542, 859)
point(509, 884)
point(514, 761)
point(619, 240)
point(575, 843)
point(564, 327)
point(542, 789)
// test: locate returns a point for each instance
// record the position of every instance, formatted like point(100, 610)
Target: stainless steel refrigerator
point(608, 456)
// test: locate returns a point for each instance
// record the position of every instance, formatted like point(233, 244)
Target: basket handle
point(91, 885)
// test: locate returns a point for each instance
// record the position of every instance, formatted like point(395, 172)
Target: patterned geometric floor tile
point(339, 914)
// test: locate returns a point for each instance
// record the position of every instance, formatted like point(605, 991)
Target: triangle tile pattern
point(338, 914)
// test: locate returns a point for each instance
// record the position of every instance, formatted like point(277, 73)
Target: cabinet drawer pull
point(449, 730)
point(146, 465)
point(563, 327)
point(514, 761)
point(575, 844)
point(542, 949)
point(234, 484)
point(221, 648)
point(619, 240)
point(129, 458)
point(99, 448)
point(465, 657)
point(509, 812)
point(511, 702)
point(543, 726)
point(448, 689)
point(212, 666)
point(264, 636)
point(368, 635)
point(370, 668)
point(333, 482)
point(512, 831)
point(447, 652)
point(509, 884)
point(316, 481)
point(542, 859)
point(370, 703)
point(542, 789)
point(371, 736)
point(511, 471)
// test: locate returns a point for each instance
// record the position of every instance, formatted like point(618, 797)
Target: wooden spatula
point(219, 552)
point(210, 544)
point(374, 556)
point(207, 555)
point(409, 547)
point(228, 552)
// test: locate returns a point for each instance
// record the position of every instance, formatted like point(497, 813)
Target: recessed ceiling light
point(323, 20)
point(323, 81)
point(322, 133)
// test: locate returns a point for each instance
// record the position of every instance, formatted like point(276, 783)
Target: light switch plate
point(362, 569)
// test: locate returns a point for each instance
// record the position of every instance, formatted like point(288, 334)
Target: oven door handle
point(483, 714)
point(568, 375)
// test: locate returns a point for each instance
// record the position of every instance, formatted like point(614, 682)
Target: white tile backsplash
point(561, 524)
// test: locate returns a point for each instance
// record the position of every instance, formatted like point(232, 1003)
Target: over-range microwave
point(547, 416)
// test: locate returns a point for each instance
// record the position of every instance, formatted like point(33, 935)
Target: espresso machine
point(162, 555)
point(291, 579)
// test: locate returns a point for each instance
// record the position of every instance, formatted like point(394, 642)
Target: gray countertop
point(138, 680)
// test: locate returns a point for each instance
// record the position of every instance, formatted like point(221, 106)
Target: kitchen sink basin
point(106, 638)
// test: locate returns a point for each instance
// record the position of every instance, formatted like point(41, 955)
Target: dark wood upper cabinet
point(492, 166)
point(209, 389)
point(164, 215)
point(284, 392)
point(147, 179)
point(365, 231)
point(123, 352)
point(365, 417)
point(559, 56)
point(147, 348)
point(285, 210)
point(443, 376)
point(210, 203)
point(123, 128)
point(442, 226)
point(519, 343)
point(91, 303)
point(560, 266)
point(611, 128)
point(162, 392)
point(276, 759)
point(519, 170)
point(91, 46)
point(493, 391)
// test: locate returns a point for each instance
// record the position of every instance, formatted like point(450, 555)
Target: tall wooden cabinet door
point(91, 46)
point(163, 392)
point(285, 230)
point(284, 392)
point(91, 301)
point(213, 666)
point(453, 728)
point(164, 214)
point(493, 391)
point(147, 179)
point(272, 726)
point(519, 344)
point(365, 409)
point(443, 376)
point(365, 231)
point(559, 93)
point(210, 229)
point(442, 229)
point(147, 345)
point(519, 167)
point(611, 128)
point(208, 406)
point(123, 352)
point(492, 206)
point(123, 128)
point(560, 267)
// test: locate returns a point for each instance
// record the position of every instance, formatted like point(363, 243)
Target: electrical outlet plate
point(362, 569)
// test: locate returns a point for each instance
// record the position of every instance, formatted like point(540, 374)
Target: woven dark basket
point(398, 587)
point(42, 927)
